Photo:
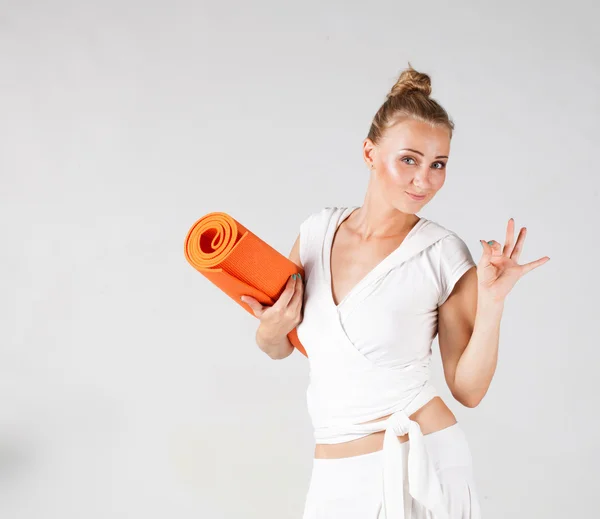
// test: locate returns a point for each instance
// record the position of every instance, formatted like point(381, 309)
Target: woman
point(380, 283)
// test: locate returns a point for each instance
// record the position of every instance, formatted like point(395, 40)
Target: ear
point(369, 152)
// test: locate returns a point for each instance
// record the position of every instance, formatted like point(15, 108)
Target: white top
point(369, 355)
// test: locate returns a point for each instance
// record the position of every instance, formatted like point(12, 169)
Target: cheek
point(397, 173)
point(437, 181)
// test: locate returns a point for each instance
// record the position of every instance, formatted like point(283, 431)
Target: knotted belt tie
point(423, 483)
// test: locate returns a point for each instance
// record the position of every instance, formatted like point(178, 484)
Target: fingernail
point(293, 276)
point(491, 242)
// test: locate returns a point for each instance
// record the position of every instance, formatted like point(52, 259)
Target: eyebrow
point(416, 151)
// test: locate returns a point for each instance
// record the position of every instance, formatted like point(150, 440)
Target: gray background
point(132, 387)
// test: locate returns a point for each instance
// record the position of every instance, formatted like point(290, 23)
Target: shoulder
point(453, 244)
point(453, 258)
point(320, 215)
point(317, 221)
point(312, 233)
point(450, 241)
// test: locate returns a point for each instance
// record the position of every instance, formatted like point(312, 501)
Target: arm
point(278, 347)
point(469, 320)
point(275, 347)
point(468, 335)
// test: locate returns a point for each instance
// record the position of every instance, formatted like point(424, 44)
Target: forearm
point(477, 364)
point(276, 347)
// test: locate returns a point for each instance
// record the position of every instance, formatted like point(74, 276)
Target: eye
point(408, 158)
point(442, 165)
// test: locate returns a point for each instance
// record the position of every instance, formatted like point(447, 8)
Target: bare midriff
point(433, 416)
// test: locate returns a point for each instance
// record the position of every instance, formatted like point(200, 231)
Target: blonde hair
point(409, 99)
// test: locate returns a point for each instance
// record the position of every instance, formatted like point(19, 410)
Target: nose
point(421, 180)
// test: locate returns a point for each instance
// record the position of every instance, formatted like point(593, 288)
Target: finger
point(510, 238)
point(254, 305)
point(527, 267)
point(298, 297)
point(496, 248)
point(487, 252)
point(286, 295)
point(518, 248)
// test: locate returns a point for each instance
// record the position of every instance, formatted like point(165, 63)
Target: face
point(410, 159)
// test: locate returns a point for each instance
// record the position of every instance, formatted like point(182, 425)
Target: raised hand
point(498, 269)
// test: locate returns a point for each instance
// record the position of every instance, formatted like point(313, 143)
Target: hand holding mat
point(239, 263)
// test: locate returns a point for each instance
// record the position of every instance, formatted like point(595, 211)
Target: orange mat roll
point(239, 262)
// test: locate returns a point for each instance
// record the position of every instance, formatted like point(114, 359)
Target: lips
point(416, 197)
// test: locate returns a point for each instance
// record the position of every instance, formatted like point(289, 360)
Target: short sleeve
point(305, 238)
point(309, 238)
point(455, 260)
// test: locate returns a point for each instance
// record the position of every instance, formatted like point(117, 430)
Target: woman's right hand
point(286, 313)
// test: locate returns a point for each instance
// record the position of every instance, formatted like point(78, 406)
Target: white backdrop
point(132, 387)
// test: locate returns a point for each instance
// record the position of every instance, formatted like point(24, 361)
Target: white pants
point(351, 488)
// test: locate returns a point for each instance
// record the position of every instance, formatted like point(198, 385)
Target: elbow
point(278, 353)
point(469, 400)
point(470, 403)
point(469, 393)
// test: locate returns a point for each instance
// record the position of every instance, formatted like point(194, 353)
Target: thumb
point(254, 305)
point(487, 252)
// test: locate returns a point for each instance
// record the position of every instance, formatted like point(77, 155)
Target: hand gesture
point(498, 269)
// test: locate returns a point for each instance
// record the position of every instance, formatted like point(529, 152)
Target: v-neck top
point(370, 354)
point(328, 249)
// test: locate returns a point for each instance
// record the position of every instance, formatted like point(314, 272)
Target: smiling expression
point(410, 159)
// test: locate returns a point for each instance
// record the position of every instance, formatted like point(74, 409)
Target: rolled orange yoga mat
point(239, 262)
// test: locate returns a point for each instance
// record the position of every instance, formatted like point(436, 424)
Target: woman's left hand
point(498, 270)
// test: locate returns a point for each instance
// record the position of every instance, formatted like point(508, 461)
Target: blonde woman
point(380, 283)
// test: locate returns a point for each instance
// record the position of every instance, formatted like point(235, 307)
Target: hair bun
point(409, 98)
point(411, 81)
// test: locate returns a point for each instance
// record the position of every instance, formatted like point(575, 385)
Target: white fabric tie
point(423, 484)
